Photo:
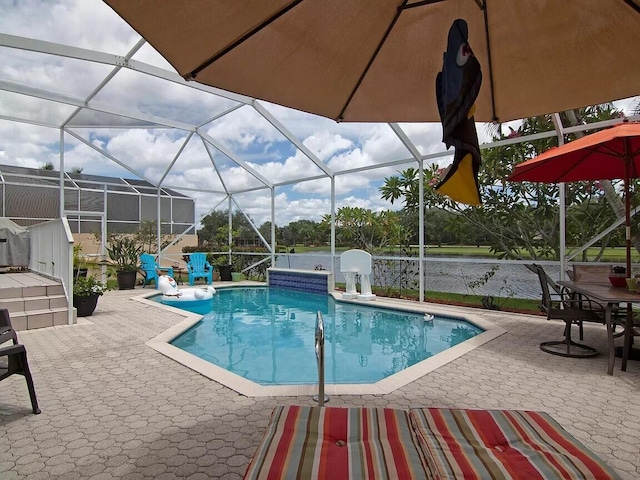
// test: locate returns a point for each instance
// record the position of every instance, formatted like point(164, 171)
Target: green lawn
point(520, 305)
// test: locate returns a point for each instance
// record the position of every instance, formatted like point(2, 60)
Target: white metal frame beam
point(409, 145)
point(156, 122)
point(51, 48)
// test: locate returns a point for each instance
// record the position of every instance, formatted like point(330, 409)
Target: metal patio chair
point(562, 305)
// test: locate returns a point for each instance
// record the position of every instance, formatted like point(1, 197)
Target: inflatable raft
point(184, 297)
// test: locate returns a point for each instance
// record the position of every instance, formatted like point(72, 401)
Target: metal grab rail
point(321, 398)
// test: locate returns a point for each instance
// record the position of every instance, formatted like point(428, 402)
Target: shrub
point(124, 252)
point(89, 285)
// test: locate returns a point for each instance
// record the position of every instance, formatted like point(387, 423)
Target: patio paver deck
point(113, 407)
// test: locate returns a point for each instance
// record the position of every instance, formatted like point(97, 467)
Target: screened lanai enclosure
point(80, 89)
point(29, 196)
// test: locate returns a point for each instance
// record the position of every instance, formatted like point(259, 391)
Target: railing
point(321, 398)
point(51, 254)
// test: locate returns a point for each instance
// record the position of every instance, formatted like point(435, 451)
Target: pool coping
point(161, 344)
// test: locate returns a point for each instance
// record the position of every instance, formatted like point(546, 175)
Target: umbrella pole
point(627, 204)
point(627, 219)
point(627, 227)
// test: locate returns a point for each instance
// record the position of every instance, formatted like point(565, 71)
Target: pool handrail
point(321, 398)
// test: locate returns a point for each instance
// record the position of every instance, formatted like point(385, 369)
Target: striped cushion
point(502, 444)
point(337, 443)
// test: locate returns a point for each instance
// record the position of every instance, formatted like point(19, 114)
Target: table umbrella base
point(568, 348)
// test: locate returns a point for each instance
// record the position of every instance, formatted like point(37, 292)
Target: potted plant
point(79, 264)
point(618, 276)
point(86, 291)
point(618, 271)
point(221, 264)
point(239, 264)
point(124, 252)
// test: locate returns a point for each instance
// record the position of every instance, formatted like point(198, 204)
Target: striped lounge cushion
point(502, 444)
point(338, 443)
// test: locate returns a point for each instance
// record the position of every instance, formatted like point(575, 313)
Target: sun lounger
point(502, 444)
point(432, 443)
point(338, 443)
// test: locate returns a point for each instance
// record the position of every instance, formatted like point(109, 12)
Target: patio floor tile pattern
point(112, 407)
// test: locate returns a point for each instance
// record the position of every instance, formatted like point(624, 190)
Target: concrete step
point(31, 291)
point(39, 318)
point(35, 303)
point(35, 306)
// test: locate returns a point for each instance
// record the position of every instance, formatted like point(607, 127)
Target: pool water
point(267, 335)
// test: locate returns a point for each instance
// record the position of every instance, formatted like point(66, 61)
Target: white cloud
point(324, 144)
point(298, 166)
point(258, 207)
point(243, 127)
point(81, 23)
point(302, 209)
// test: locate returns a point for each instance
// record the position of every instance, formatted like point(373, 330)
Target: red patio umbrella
point(610, 154)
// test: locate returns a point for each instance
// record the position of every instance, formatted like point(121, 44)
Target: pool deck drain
point(161, 343)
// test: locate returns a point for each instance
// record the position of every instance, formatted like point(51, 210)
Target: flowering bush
point(89, 285)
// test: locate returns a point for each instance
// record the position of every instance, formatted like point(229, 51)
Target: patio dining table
point(609, 297)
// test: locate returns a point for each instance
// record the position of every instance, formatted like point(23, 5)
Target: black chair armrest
point(6, 334)
point(12, 350)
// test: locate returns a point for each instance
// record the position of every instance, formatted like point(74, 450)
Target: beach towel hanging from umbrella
point(610, 154)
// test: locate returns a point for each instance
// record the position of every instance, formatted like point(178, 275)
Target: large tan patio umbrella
point(377, 60)
point(610, 154)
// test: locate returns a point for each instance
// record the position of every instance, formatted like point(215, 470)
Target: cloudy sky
point(242, 136)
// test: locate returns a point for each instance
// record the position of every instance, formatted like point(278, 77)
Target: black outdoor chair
point(572, 309)
point(13, 358)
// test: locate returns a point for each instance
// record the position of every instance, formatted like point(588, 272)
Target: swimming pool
point(266, 335)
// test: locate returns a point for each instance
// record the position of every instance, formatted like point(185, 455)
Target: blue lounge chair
point(150, 269)
point(198, 267)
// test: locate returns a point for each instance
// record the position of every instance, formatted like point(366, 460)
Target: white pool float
point(182, 297)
